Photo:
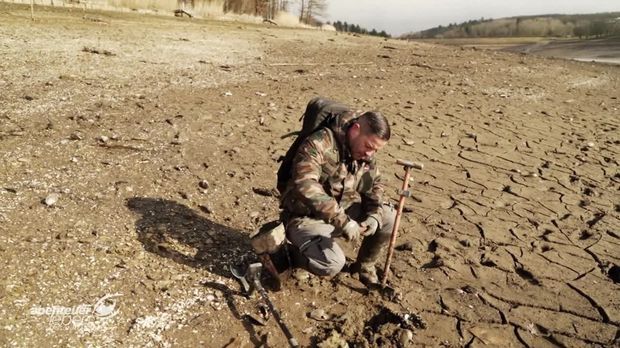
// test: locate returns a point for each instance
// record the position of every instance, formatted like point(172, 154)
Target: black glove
point(371, 225)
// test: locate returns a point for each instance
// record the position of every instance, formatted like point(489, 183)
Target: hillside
point(553, 25)
point(138, 153)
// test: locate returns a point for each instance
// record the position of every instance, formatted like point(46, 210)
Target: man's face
point(363, 146)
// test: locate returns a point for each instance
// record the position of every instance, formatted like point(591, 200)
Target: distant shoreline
point(605, 50)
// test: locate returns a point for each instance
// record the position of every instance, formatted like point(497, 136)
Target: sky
point(402, 16)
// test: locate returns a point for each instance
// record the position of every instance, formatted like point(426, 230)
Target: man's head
point(367, 135)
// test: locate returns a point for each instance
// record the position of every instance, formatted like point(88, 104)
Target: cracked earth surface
point(512, 238)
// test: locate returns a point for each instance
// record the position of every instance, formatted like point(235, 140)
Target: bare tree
point(302, 10)
point(284, 5)
point(310, 10)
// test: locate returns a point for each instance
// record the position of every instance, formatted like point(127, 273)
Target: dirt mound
point(131, 180)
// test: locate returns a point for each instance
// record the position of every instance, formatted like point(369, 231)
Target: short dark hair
point(378, 125)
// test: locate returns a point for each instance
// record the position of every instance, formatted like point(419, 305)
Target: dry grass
point(156, 5)
point(287, 19)
point(213, 8)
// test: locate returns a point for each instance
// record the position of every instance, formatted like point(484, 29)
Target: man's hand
point(351, 230)
point(370, 226)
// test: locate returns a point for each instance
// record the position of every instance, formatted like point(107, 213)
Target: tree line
point(355, 28)
point(582, 26)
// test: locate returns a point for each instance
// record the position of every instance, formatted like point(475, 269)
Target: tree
point(598, 28)
point(302, 10)
point(311, 10)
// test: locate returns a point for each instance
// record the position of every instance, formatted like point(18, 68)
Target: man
point(335, 191)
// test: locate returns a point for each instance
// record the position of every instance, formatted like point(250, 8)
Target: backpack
point(320, 113)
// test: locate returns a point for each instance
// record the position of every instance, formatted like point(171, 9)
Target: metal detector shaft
point(404, 193)
point(276, 314)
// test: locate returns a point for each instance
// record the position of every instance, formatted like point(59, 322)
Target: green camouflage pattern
point(323, 185)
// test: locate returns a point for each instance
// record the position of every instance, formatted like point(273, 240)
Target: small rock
point(103, 139)
point(261, 94)
point(319, 314)
point(227, 94)
point(264, 191)
point(75, 136)
point(204, 184)
point(301, 274)
point(590, 144)
point(51, 199)
point(405, 337)
point(408, 142)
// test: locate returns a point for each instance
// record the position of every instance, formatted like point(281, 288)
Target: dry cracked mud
point(136, 152)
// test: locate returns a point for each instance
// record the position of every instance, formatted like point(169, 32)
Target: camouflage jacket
point(323, 185)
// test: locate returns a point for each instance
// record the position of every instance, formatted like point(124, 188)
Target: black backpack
point(319, 113)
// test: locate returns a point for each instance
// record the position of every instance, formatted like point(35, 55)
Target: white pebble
point(51, 199)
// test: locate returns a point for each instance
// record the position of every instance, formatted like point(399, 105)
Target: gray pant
point(321, 255)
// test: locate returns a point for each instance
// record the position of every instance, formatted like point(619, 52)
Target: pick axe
point(250, 282)
point(404, 193)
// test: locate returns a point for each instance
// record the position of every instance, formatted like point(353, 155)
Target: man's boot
point(367, 258)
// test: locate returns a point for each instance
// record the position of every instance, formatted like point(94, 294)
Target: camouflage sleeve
point(307, 169)
point(372, 199)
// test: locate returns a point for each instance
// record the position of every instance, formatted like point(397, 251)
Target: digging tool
point(404, 193)
point(251, 281)
point(236, 272)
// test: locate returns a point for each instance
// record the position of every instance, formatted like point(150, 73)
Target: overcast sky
point(402, 16)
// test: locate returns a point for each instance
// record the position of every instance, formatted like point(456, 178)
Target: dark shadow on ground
point(175, 231)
